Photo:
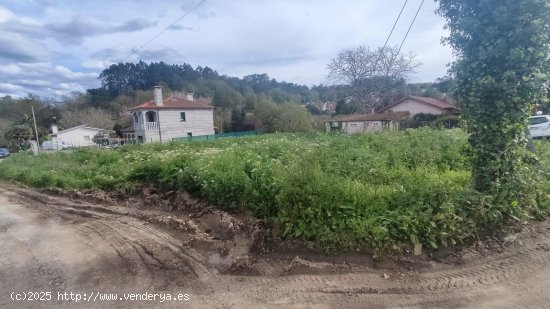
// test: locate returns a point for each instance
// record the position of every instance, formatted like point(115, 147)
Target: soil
point(85, 242)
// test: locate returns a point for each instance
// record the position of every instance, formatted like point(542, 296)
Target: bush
point(341, 191)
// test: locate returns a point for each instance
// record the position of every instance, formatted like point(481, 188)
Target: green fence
point(216, 136)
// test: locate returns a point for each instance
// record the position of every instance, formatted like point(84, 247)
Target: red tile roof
point(174, 103)
point(425, 100)
point(389, 116)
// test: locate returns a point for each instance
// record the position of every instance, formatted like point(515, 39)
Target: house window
point(182, 116)
point(352, 124)
point(86, 138)
point(151, 116)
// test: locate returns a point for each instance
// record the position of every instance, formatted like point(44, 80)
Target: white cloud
point(287, 39)
point(44, 79)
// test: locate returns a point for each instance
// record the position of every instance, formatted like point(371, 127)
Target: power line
point(395, 24)
point(388, 38)
point(164, 30)
point(404, 38)
point(407, 34)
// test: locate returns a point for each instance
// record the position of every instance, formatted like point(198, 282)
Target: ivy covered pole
point(502, 49)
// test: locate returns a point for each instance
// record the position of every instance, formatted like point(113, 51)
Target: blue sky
point(55, 47)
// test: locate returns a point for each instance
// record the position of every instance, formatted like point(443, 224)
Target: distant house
point(421, 105)
point(329, 106)
point(162, 120)
point(80, 136)
point(365, 123)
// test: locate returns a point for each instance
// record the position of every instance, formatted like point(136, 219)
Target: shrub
point(341, 191)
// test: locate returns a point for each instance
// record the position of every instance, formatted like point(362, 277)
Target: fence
point(216, 136)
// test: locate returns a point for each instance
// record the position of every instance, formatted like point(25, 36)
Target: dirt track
point(51, 243)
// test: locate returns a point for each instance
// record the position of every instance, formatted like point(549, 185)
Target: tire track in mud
point(140, 248)
point(445, 288)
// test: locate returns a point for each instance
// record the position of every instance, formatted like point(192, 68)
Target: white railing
point(149, 126)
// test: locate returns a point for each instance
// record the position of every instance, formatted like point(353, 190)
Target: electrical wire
point(395, 24)
point(409, 30)
point(164, 30)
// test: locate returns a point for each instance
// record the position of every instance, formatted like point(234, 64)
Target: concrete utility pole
point(35, 130)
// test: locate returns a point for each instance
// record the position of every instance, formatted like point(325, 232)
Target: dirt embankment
point(173, 243)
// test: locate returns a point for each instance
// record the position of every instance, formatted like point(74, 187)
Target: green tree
point(291, 117)
point(265, 115)
point(502, 48)
point(19, 136)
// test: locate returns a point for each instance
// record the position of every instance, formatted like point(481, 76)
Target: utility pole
point(35, 130)
point(158, 123)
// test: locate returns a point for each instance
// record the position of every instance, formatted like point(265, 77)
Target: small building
point(422, 105)
point(80, 136)
point(128, 135)
point(365, 123)
point(162, 120)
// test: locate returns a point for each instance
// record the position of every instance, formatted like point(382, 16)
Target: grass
point(378, 191)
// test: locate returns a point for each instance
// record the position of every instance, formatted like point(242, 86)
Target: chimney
point(54, 129)
point(157, 91)
point(190, 96)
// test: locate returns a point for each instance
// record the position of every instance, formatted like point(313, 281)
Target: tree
point(370, 74)
point(502, 48)
point(94, 117)
point(291, 117)
point(265, 115)
point(19, 136)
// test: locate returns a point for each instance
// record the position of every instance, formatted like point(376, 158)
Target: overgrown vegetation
point(377, 191)
point(502, 71)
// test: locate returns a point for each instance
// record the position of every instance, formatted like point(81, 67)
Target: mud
point(172, 243)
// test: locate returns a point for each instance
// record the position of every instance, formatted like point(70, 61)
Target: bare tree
point(371, 74)
point(91, 116)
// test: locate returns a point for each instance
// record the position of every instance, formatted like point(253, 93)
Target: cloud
point(17, 49)
point(31, 78)
point(180, 27)
point(159, 54)
point(132, 25)
point(287, 39)
point(203, 12)
point(76, 30)
point(71, 32)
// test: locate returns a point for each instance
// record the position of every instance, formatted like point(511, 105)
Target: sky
point(55, 47)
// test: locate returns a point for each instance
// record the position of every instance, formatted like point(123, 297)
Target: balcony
point(147, 126)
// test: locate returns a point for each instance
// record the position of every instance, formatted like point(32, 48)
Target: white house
point(365, 123)
point(162, 120)
point(80, 136)
point(421, 105)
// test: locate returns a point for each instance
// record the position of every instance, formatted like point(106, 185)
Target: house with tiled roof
point(422, 105)
point(161, 120)
point(365, 123)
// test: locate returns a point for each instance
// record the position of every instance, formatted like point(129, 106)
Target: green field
point(376, 191)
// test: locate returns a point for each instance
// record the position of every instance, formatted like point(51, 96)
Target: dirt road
point(57, 245)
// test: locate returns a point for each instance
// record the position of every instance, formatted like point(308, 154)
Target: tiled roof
point(389, 116)
point(174, 103)
point(425, 100)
